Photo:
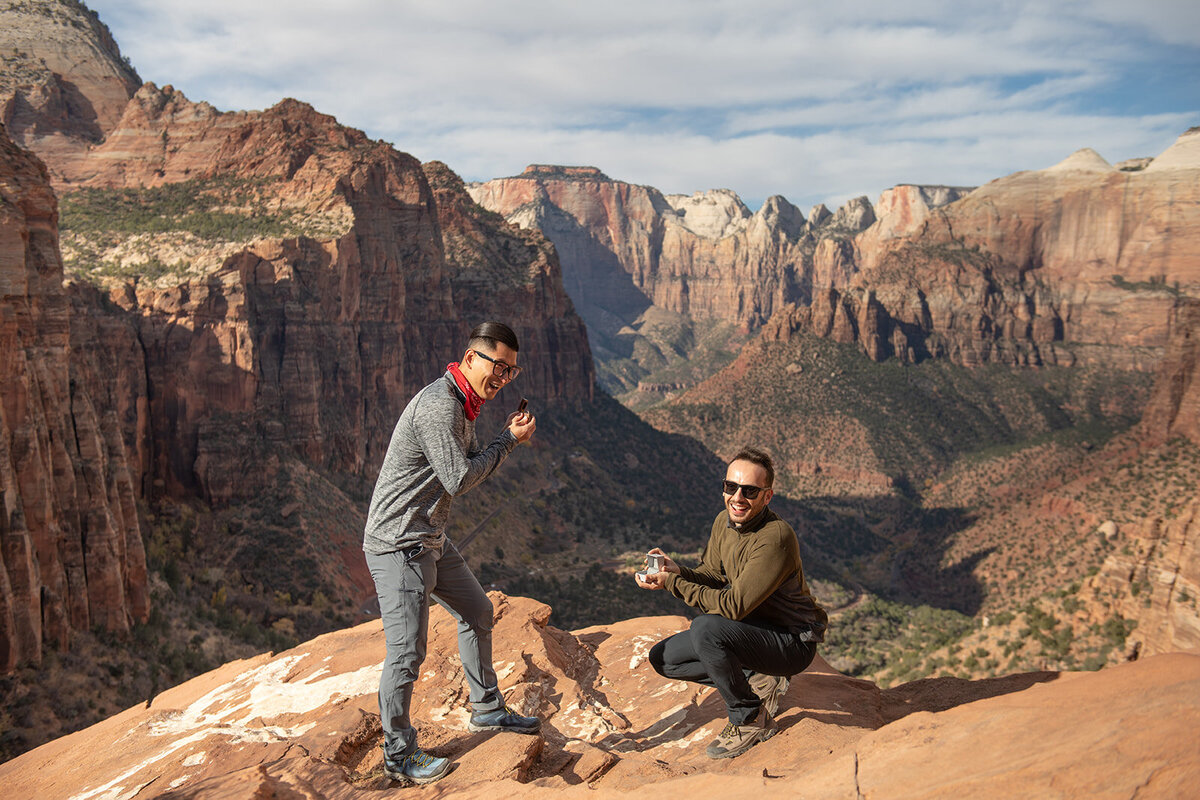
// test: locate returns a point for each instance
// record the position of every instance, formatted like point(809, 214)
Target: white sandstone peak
point(1085, 160)
point(1183, 154)
point(714, 214)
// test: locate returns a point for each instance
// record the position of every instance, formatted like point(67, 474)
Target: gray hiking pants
point(405, 581)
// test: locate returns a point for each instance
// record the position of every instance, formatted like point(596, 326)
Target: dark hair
point(756, 456)
point(491, 334)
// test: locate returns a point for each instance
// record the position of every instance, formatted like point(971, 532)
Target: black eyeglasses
point(499, 368)
point(748, 492)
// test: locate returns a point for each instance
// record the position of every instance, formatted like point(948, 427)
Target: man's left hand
point(521, 424)
point(655, 580)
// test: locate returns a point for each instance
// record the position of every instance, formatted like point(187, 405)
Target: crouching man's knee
point(657, 657)
point(709, 629)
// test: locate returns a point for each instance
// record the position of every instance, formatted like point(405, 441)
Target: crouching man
point(759, 625)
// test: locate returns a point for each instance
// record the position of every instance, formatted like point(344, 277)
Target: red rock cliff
point(1174, 406)
point(625, 247)
point(205, 382)
point(71, 545)
point(310, 343)
point(63, 84)
point(1078, 263)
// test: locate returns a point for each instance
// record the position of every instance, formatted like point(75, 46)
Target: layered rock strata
point(63, 81)
point(70, 543)
point(625, 247)
point(669, 285)
point(1174, 405)
point(1075, 264)
point(207, 381)
point(1079, 263)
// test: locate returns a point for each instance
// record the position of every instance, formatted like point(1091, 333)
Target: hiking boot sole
point(473, 728)
point(400, 777)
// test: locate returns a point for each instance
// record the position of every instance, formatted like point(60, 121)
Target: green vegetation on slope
point(153, 231)
point(819, 404)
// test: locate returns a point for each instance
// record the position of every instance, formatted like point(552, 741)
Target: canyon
point(1078, 263)
point(255, 361)
point(983, 400)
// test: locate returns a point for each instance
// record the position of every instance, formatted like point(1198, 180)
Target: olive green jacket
point(754, 575)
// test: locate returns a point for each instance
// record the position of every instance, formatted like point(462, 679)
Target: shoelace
point(731, 731)
point(419, 758)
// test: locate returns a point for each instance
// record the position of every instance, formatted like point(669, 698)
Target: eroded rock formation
point(1079, 263)
point(247, 358)
point(63, 82)
point(1174, 406)
point(652, 274)
point(70, 541)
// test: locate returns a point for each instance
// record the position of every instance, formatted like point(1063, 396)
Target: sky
point(818, 102)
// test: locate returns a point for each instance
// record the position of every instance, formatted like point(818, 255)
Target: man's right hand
point(522, 424)
point(668, 564)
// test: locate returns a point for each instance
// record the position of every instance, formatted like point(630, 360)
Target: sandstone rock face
point(1075, 264)
point(1174, 406)
point(71, 545)
point(306, 345)
point(1078, 263)
point(64, 84)
point(632, 257)
point(213, 381)
point(306, 721)
point(1163, 556)
point(624, 246)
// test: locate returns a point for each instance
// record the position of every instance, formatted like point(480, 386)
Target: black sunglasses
point(748, 492)
point(500, 370)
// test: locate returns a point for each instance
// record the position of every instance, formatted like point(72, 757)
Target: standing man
point(760, 623)
point(433, 457)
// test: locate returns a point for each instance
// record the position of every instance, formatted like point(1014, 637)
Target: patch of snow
point(258, 693)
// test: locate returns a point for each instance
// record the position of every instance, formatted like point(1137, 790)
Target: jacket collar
point(753, 524)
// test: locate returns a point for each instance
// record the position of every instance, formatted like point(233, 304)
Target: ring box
point(654, 564)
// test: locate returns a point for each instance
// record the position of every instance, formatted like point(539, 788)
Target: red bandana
point(473, 402)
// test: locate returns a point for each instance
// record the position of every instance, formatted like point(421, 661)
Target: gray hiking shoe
point(770, 689)
point(503, 719)
point(416, 767)
point(737, 739)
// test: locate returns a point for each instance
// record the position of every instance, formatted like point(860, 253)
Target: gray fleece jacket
point(434, 456)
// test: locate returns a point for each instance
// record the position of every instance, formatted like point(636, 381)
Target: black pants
point(720, 652)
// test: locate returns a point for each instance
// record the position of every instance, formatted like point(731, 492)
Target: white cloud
point(766, 97)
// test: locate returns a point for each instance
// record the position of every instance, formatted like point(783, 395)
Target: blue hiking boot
point(416, 767)
point(503, 719)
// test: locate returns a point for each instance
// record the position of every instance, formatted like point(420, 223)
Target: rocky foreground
point(304, 723)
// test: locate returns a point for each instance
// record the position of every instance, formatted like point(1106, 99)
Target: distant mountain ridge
point(1075, 264)
point(652, 273)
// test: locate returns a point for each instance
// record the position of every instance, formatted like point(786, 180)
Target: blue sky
point(818, 102)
